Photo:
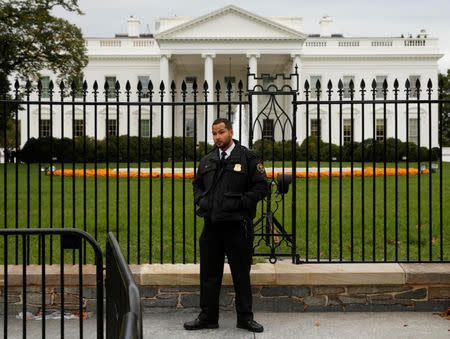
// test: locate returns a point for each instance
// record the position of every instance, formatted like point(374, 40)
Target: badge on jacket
point(237, 168)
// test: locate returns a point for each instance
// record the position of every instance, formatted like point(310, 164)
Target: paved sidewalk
point(169, 324)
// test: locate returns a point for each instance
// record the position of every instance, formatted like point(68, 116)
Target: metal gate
point(275, 227)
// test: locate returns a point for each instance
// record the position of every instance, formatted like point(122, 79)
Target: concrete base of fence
point(279, 287)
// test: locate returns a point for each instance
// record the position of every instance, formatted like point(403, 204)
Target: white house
point(220, 45)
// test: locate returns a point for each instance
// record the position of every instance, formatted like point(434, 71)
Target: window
point(268, 128)
point(379, 130)
point(45, 92)
point(313, 84)
point(316, 128)
point(380, 80)
point(145, 128)
point(189, 86)
point(413, 131)
point(346, 81)
point(267, 81)
point(413, 80)
point(347, 130)
point(111, 80)
point(111, 127)
point(78, 128)
point(44, 128)
point(79, 86)
point(189, 128)
point(144, 79)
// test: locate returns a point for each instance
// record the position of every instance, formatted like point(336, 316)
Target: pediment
point(230, 23)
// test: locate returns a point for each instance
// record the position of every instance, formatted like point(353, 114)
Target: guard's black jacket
point(229, 190)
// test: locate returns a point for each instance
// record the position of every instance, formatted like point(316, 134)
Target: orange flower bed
point(121, 174)
point(368, 172)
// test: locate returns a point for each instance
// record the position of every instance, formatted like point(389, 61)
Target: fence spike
point(229, 85)
point(95, 86)
point(318, 84)
point(306, 86)
point(351, 85)
point(183, 86)
point(127, 85)
point(362, 85)
point(150, 86)
point(28, 85)
point(385, 84)
point(62, 86)
point(117, 86)
point(205, 85)
point(139, 86)
point(16, 84)
point(340, 85)
point(162, 87)
point(396, 83)
point(106, 87)
point(51, 85)
point(195, 86)
point(172, 85)
point(374, 84)
point(85, 85)
point(418, 83)
point(240, 85)
point(217, 86)
point(407, 84)
point(429, 84)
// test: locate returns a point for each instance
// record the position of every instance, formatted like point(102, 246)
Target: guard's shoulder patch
point(260, 168)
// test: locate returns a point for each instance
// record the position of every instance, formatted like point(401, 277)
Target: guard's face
point(222, 136)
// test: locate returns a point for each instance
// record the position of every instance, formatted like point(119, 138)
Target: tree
point(444, 81)
point(33, 39)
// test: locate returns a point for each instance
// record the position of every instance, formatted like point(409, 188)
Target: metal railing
point(123, 303)
point(65, 239)
point(130, 169)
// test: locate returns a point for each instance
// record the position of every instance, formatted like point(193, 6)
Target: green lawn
point(179, 229)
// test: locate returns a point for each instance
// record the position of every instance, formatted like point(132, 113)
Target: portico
point(219, 46)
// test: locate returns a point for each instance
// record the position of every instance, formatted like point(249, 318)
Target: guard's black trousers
point(235, 239)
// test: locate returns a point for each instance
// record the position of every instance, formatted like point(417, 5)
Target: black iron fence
point(34, 242)
point(370, 172)
point(123, 302)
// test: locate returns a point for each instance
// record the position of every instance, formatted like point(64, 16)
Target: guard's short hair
point(227, 123)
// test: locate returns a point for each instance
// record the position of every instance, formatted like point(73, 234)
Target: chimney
point(133, 27)
point(325, 26)
point(423, 34)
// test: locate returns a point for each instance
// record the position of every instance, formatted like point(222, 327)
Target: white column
point(209, 78)
point(253, 64)
point(23, 128)
point(165, 113)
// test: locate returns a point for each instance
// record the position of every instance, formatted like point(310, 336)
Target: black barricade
point(34, 243)
point(123, 303)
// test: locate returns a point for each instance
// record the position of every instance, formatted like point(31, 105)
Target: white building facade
point(219, 46)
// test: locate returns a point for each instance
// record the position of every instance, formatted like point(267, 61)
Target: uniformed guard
point(230, 181)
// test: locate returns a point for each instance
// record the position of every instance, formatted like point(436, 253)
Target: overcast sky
point(104, 18)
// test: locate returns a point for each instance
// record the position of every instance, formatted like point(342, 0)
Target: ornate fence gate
point(275, 227)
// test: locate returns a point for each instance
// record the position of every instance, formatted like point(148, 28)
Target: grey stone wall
point(265, 298)
point(311, 298)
